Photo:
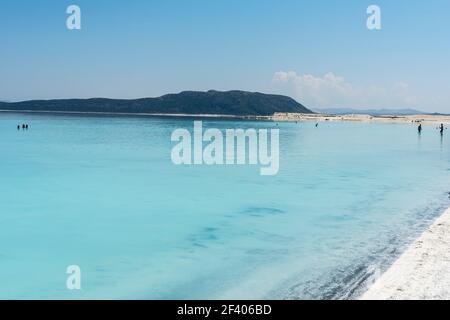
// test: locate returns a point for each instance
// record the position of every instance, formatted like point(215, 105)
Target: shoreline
point(422, 271)
point(127, 114)
point(277, 117)
point(411, 119)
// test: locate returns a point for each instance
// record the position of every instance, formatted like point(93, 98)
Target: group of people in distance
point(441, 128)
point(24, 126)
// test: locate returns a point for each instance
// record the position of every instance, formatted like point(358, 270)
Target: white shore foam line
point(135, 114)
point(422, 272)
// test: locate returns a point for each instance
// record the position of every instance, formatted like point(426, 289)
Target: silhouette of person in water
point(26, 126)
point(317, 124)
point(419, 128)
point(18, 127)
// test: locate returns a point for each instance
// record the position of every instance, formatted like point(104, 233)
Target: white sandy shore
point(422, 272)
point(281, 117)
point(416, 119)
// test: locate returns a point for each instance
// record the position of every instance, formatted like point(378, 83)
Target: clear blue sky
point(319, 52)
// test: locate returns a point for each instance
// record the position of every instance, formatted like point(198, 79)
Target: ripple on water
point(261, 211)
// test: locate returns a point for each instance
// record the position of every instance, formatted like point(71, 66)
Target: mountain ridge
point(235, 102)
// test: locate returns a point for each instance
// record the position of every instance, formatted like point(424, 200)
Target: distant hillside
point(239, 103)
point(372, 112)
point(439, 114)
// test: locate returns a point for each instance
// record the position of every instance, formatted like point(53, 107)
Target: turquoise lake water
point(103, 194)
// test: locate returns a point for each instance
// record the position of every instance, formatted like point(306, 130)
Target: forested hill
point(240, 103)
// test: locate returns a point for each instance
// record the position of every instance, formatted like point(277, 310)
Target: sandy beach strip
point(412, 119)
point(422, 272)
point(433, 120)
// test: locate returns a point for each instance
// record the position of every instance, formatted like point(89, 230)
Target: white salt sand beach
point(424, 119)
point(281, 117)
point(422, 272)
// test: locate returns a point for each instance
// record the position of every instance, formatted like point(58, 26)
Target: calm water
point(102, 193)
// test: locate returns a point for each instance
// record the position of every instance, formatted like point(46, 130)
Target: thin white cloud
point(332, 90)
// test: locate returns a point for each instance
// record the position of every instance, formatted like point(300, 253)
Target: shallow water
point(102, 193)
